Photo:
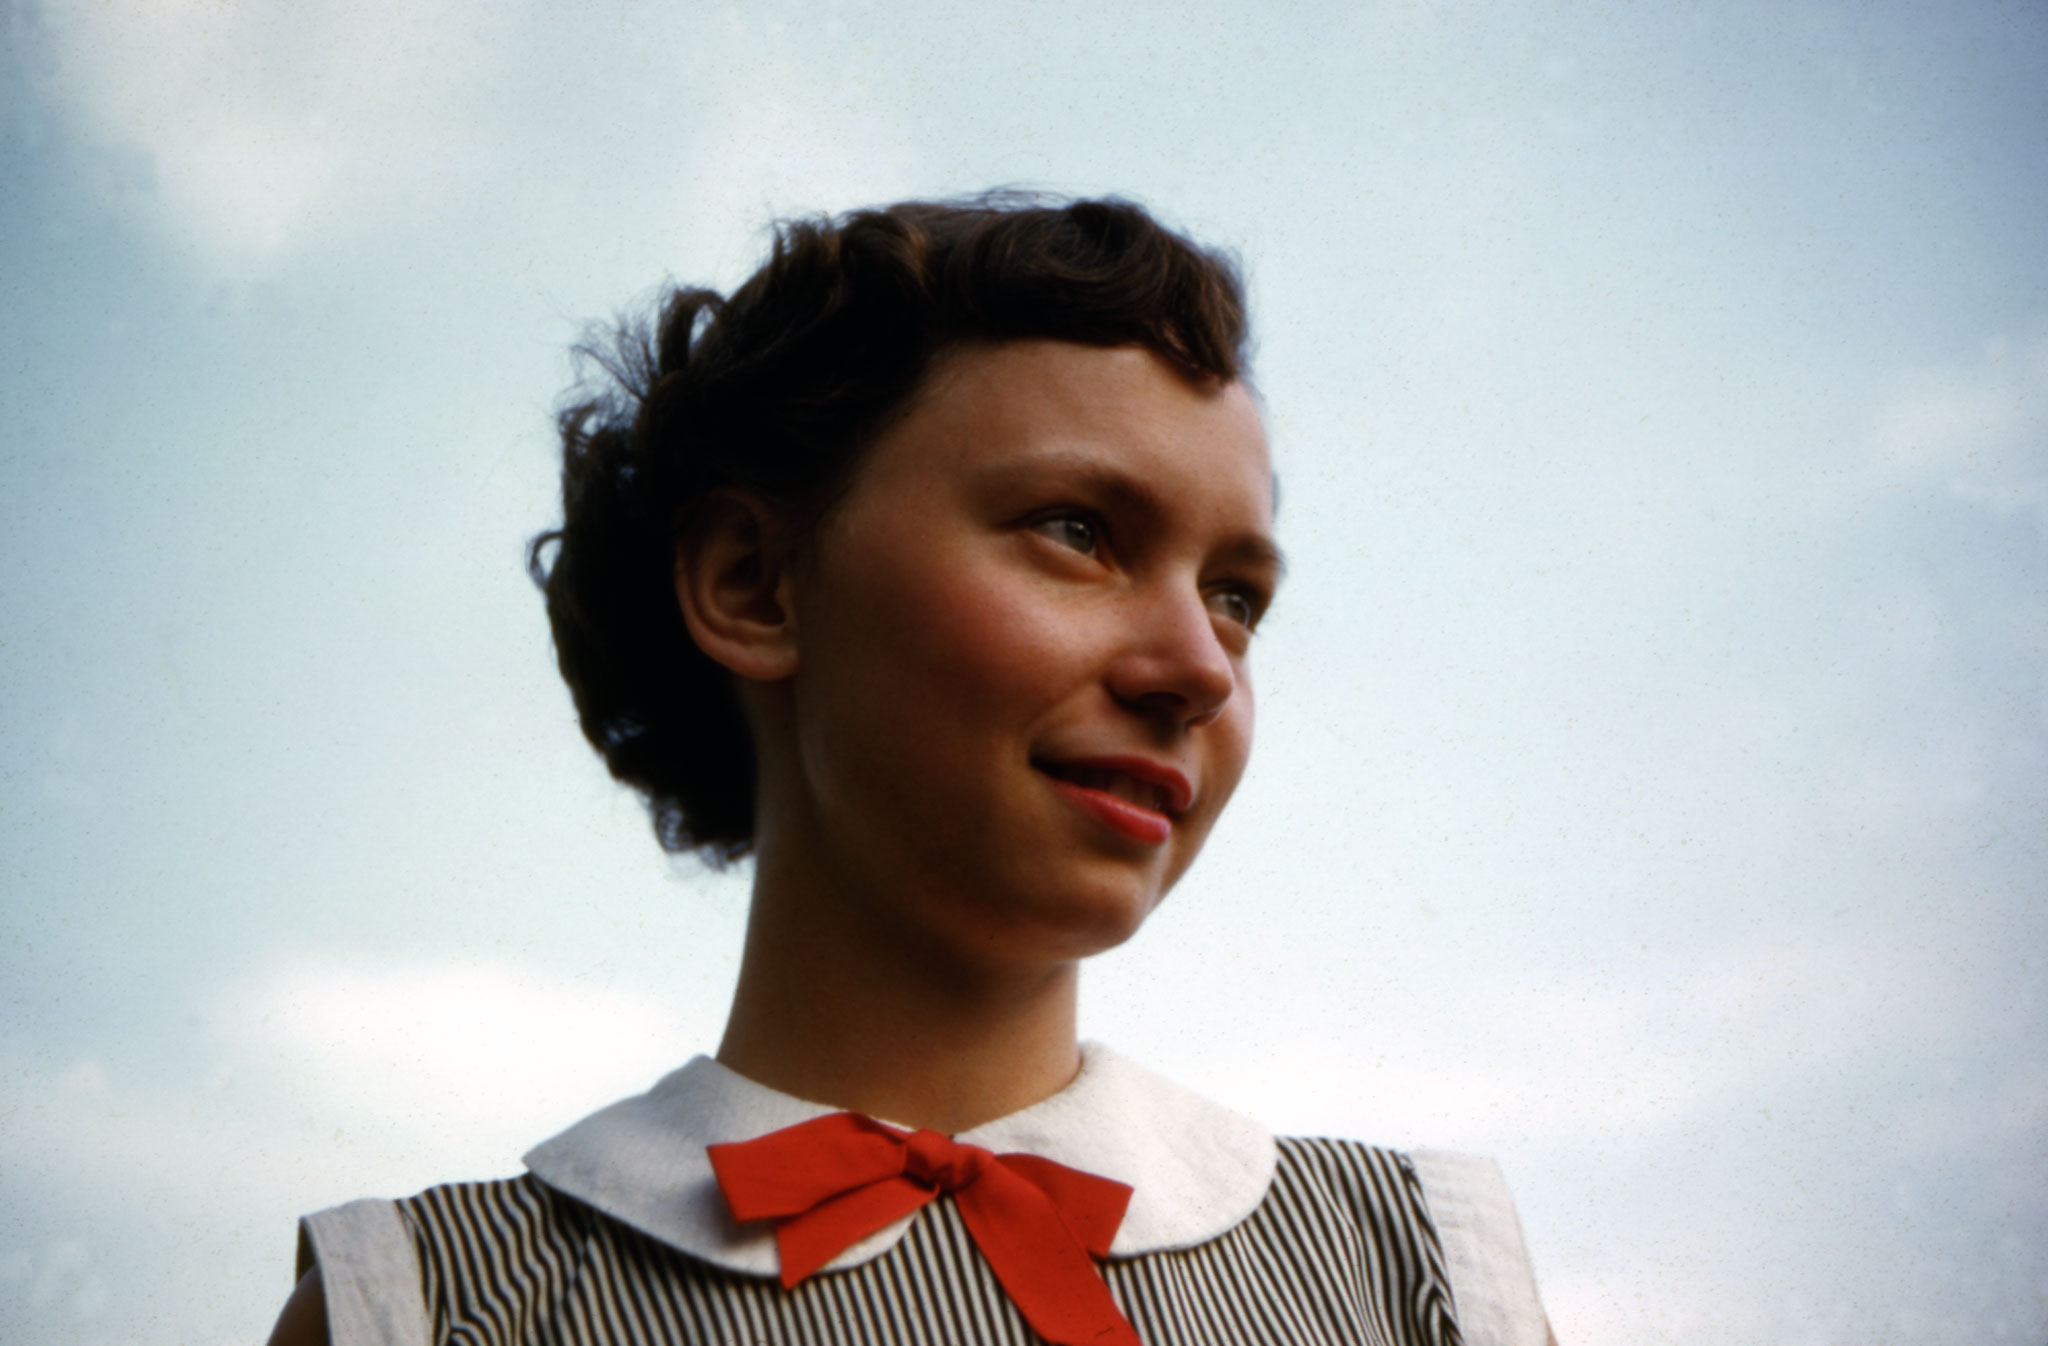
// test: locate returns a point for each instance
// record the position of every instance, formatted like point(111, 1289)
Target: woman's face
point(1022, 693)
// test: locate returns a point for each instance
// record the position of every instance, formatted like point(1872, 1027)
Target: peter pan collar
point(1196, 1169)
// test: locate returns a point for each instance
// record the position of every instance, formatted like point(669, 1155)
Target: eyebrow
point(1260, 551)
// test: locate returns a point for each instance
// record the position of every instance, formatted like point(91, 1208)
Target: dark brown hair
point(777, 390)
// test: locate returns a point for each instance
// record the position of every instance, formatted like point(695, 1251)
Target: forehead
point(1057, 407)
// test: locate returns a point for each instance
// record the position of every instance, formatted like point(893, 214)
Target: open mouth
point(1132, 796)
point(1118, 784)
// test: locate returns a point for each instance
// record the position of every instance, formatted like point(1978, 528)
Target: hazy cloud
point(1979, 428)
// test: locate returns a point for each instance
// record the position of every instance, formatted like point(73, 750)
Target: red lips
point(1134, 796)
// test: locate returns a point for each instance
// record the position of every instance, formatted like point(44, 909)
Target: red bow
point(832, 1181)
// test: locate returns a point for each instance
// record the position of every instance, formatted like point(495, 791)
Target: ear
point(733, 585)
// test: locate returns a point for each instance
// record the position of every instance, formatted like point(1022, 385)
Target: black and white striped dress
point(617, 1234)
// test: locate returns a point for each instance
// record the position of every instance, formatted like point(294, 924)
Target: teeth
point(1127, 788)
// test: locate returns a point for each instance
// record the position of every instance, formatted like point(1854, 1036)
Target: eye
point(1076, 531)
point(1235, 605)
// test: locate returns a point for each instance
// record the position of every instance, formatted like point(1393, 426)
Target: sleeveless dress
point(617, 1233)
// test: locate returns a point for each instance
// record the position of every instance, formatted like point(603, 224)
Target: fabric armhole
point(370, 1271)
point(1493, 1284)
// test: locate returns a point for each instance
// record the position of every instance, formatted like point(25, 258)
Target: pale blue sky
point(1654, 730)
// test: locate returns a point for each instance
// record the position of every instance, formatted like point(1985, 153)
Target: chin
point(1026, 907)
point(1089, 917)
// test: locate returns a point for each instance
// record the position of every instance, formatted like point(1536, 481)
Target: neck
point(839, 1008)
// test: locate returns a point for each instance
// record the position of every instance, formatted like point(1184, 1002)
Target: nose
point(1173, 666)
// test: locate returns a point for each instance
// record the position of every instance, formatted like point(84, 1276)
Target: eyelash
point(1250, 620)
point(1085, 519)
point(1080, 517)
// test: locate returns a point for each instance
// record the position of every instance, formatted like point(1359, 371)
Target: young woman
point(925, 569)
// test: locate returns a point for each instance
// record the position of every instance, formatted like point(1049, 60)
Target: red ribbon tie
point(830, 1182)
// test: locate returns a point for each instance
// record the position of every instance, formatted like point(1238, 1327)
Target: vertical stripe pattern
point(1340, 1251)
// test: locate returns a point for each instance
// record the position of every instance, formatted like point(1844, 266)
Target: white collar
point(1195, 1168)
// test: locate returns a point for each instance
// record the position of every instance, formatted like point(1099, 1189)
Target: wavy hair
point(777, 390)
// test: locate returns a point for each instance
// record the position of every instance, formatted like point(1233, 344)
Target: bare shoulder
point(304, 1320)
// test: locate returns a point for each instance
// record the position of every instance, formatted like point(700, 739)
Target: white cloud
point(486, 1057)
point(267, 126)
point(376, 1076)
point(270, 132)
point(318, 1082)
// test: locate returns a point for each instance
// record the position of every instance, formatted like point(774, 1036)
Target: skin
point(923, 895)
point(304, 1319)
point(1057, 552)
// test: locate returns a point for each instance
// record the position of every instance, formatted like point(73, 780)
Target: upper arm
point(304, 1320)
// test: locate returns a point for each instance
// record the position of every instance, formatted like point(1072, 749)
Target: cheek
point(1227, 750)
point(940, 652)
point(1231, 746)
point(1240, 722)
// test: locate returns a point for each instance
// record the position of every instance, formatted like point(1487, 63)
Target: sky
point(1653, 729)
